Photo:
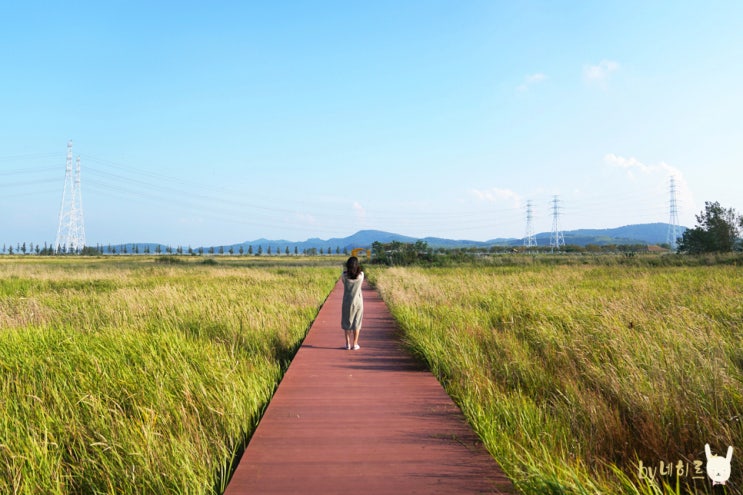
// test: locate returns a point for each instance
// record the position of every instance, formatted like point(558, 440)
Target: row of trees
point(399, 253)
point(718, 230)
point(23, 248)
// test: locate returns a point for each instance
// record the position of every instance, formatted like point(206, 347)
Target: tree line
point(124, 249)
point(718, 230)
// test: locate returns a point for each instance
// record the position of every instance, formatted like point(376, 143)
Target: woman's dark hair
point(352, 267)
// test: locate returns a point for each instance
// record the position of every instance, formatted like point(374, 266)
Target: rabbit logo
point(718, 467)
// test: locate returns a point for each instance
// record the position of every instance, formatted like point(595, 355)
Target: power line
point(110, 180)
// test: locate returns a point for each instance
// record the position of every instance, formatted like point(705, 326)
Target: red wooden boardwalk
point(369, 421)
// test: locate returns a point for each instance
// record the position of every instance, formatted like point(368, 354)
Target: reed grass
point(141, 377)
point(573, 375)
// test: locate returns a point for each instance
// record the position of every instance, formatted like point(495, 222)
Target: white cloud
point(535, 78)
point(494, 195)
point(633, 164)
point(630, 165)
point(191, 221)
point(531, 80)
point(306, 218)
point(360, 211)
point(661, 171)
point(599, 74)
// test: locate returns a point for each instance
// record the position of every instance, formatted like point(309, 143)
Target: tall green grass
point(573, 375)
point(141, 377)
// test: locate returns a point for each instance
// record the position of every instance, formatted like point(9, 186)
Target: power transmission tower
point(78, 225)
point(529, 240)
point(70, 228)
point(556, 237)
point(673, 220)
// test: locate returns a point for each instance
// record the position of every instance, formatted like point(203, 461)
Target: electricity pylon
point(557, 239)
point(71, 228)
point(529, 240)
point(673, 220)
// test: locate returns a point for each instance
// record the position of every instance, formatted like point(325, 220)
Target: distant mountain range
point(650, 233)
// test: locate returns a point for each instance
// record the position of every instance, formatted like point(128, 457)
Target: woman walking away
point(353, 302)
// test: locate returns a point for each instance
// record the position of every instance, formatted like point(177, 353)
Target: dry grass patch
point(573, 374)
point(139, 377)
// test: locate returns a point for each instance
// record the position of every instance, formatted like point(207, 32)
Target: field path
point(370, 421)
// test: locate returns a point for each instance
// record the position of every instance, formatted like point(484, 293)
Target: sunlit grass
point(141, 377)
point(574, 374)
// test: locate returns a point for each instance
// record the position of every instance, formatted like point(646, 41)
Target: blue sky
point(201, 123)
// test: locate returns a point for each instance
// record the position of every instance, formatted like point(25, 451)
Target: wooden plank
point(370, 421)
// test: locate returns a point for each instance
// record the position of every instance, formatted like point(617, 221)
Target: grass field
point(147, 375)
point(575, 375)
point(142, 375)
